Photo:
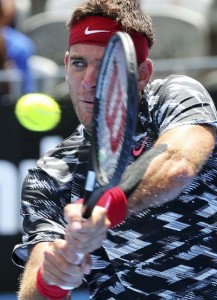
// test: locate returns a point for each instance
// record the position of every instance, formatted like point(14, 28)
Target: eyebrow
point(76, 56)
point(89, 60)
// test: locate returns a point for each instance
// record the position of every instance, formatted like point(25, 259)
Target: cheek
point(73, 86)
point(74, 81)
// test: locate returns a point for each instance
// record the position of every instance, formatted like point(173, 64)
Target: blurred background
point(33, 40)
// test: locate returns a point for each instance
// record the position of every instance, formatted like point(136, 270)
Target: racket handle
point(89, 188)
point(92, 201)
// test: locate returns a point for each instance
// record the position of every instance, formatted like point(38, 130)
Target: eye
point(78, 63)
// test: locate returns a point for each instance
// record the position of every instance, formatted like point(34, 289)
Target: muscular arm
point(170, 172)
point(60, 263)
point(59, 268)
point(28, 281)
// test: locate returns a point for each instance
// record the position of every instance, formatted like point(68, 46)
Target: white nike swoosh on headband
point(87, 31)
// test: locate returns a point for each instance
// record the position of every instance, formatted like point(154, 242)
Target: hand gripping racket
point(114, 120)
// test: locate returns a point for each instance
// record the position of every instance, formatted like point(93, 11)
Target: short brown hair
point(126, 12)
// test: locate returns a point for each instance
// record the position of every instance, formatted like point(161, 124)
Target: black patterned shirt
point(166, 252)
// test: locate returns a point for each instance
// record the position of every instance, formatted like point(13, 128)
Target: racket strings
point(112, 115)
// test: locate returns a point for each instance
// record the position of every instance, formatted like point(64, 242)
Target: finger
point(98, 221)
point(73, 230)
point(60, 251)
point(55, 276)
point(57, 270)
point(88, 245)
point(73, 212)
point(86, 242)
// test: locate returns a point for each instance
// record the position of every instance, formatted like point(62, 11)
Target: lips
point(88, 101)
point(86, 105)
point(86, 98)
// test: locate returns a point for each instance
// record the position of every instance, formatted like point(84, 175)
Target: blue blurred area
point(8, 296)
point(77, 295)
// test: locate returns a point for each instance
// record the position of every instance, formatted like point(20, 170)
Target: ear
point(66, 58)
point(145, 72)
point(66, 61)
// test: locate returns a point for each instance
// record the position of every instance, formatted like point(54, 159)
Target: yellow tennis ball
point(37, 112)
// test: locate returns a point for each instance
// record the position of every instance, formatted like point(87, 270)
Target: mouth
point(87, 101)
point(87, 105)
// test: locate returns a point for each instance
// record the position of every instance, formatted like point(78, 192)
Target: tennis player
point(159, 242)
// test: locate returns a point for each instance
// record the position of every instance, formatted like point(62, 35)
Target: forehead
point(87, 51)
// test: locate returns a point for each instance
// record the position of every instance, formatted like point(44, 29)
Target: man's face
point(82, 68)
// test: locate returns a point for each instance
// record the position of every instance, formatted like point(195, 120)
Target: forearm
point(170, 172)
point(28, 288)
point(162, 182)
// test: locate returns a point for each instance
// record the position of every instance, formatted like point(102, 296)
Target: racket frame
point(131, 122)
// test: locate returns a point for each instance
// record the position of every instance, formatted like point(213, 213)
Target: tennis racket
point(114, 125)
point(114, 119)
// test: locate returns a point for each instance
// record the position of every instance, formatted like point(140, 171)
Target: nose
point(90, 77)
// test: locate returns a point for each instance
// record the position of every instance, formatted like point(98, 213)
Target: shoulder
point(179, 100)
point(176, 83)
point(176, 90)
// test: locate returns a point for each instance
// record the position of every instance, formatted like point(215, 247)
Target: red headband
point(97, 30)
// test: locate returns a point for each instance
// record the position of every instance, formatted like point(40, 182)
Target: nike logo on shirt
point(87, 31)
point(137, 152)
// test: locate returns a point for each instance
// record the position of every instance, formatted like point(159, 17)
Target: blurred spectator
point(7, 12)
point(2, 52)
point(4, 86)
point(19, 48)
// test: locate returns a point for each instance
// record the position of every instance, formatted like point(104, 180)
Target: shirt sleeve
point(181, 100)
point(43, 201)
point(58, 179)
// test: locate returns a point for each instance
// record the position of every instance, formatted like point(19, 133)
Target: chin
point(86, 124)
